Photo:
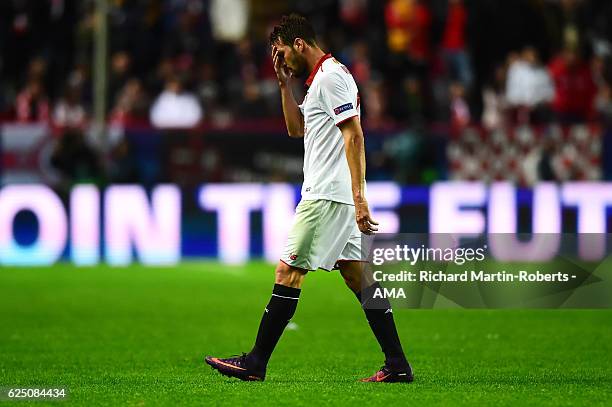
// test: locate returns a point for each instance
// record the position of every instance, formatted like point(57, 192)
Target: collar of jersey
point(316, 69)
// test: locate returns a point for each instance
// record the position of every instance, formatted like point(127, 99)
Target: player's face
point(294, 58)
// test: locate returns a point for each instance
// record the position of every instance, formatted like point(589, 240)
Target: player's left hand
point(366, 224)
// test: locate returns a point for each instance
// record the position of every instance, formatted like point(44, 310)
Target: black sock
point(276, 316)
point(382, 324)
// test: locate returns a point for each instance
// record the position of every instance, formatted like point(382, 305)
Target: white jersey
point(332, 98)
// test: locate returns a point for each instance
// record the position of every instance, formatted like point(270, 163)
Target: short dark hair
point(291, 27)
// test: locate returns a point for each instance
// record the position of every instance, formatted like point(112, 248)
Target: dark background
point(434, 76)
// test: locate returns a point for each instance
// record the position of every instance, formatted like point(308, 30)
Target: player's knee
point(289, 276)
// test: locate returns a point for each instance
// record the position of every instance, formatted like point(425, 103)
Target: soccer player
point(333, 211)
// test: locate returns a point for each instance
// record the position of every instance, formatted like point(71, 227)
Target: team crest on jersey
point(343, 108)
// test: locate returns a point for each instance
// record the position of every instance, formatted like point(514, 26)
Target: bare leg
point(289, 276)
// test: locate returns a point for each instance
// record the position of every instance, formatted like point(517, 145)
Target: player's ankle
point(256, 362)
point(397, 363)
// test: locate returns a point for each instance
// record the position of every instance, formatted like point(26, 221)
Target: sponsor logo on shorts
point(343, 108)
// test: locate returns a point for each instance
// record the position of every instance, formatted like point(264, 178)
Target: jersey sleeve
point(336, 98)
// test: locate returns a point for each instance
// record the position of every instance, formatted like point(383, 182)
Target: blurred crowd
point(180, 63)
point(174, 63)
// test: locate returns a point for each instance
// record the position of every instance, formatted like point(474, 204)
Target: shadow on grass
point(446, 382)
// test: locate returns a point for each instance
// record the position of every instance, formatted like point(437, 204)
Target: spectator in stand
point(398, 14)
point(360, 65)
point(413, 102)
point(229, 19)
point(32, 104)
point(131, 105)
point(408, 26)
point(353, 13)
point(175, 107)
point(249, 101)
point(119, 73)
point(574, 87)
point(408, 23)
point(545, 165)
point(602, 75)
point(252, 105)
point(208, 87)
point(454, 43)
point(598, 68)
point(571, 21)
point(69, 111)
point(459, 108)
point(529, 88)
point(494, 100)
point(164, 72)
point(37, 69)
point(603, 104)
point(374, 104)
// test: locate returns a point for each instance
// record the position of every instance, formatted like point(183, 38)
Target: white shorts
point(323, 233)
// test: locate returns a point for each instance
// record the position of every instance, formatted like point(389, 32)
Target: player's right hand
point(283, 73)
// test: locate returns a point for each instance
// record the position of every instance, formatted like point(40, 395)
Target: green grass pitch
point(137, 336)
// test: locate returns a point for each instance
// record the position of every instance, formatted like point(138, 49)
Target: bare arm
point(355, 156)
point(293, 116)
